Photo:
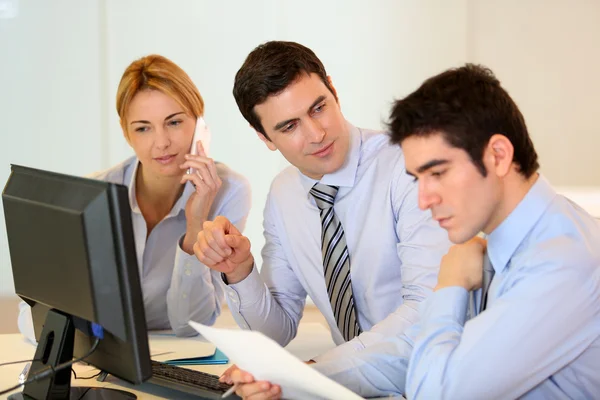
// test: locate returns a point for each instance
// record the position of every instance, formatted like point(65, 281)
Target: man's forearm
point(377, 371)
point(254, 307)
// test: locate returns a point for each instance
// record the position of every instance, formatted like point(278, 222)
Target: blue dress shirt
point(539, 337)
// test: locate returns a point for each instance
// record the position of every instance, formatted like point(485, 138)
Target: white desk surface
point(312, 339)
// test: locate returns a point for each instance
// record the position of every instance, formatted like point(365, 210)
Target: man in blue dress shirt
point(514, 315)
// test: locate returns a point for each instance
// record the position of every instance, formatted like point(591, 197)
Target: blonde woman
point(159, 106)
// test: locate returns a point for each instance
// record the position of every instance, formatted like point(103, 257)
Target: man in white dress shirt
point(366, 262)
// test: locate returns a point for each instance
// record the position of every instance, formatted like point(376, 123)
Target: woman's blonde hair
point(156, 72)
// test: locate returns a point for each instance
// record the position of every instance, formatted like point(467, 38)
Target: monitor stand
point(56, 347)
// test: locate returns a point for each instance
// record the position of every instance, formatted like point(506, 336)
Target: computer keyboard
point(188, 380)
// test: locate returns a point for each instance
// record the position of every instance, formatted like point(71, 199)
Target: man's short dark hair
point(268, 70)
point(467, 106)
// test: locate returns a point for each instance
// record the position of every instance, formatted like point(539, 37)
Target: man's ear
point(499, 154)
point(270, 145)
point(333, 90)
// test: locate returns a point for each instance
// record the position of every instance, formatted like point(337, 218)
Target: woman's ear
point(124, 129)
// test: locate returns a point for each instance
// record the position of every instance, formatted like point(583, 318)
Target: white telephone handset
point(201, 133)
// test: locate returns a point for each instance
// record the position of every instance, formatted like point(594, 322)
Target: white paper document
point(267, 360)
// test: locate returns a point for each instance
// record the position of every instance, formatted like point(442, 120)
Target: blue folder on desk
point(217, 358)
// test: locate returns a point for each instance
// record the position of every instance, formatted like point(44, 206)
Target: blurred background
point(61, 61)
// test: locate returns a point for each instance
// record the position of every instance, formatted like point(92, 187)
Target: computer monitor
point(72, 252)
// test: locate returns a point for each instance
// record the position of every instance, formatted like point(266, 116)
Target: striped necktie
point(336, 262)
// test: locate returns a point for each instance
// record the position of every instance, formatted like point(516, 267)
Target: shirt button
point(188, 271)
point(188, 264)
point(184, 295)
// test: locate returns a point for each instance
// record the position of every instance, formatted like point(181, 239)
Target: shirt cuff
point(450, 302)
point(248, 291)
point(188, 266)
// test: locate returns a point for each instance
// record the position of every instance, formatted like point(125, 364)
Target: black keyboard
point(189, 381)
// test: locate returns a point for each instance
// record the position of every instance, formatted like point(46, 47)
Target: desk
point(312, 339)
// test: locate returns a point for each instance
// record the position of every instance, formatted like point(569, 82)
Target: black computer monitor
point(72, 252)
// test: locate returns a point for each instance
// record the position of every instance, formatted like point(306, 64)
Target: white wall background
point(61, 60)
point(547, 54)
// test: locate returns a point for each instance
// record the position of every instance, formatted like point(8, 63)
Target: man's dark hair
point(467, 106)
point(268, 70)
